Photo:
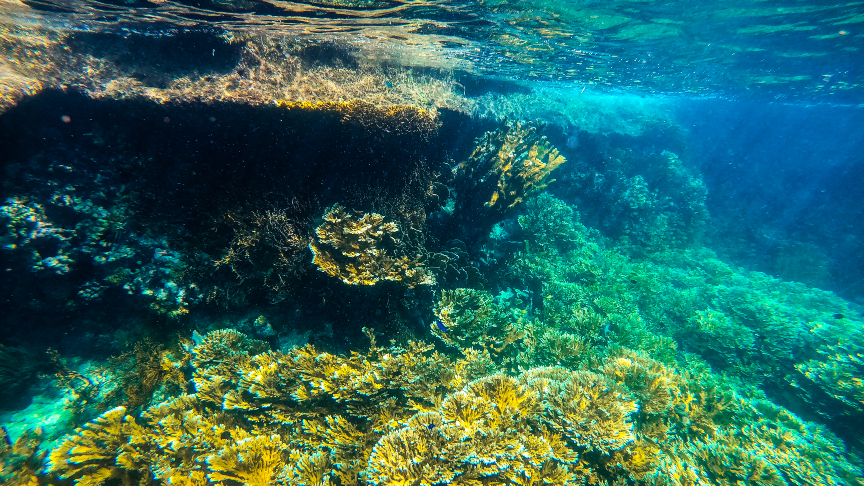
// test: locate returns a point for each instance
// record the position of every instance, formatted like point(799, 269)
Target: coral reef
point(364, 249)
point(91, 230)
point(272, 418)
point(489, 432)
point(395, 119)
point(414, 416)
point(644, 200)
point(837, 369)
point(28, 229)
point(748, 324)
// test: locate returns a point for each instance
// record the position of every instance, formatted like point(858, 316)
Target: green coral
point(747, 323)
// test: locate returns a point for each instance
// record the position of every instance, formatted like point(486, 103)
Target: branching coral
point(467, 317)
point(506, 167)
point(487, 433)
point(589, 409)
point(839, 368)
point(547, 221)
point(415, 417)
point(760, 329)
point(21, 461)
point(364, 250)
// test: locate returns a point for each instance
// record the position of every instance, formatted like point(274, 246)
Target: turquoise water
point(431, 242)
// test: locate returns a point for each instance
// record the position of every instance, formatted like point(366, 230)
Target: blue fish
point(388, 84)
point(440, 325)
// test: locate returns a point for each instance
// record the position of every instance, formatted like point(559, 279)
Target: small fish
point(388, 84)
point(839, 316)
point(440, 325)
point(430, 426)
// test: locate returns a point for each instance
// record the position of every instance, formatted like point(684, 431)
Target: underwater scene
point(431, 242)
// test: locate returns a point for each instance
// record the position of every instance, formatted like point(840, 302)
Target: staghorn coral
point(139, 372)
point(364, 250)
point(548, 221)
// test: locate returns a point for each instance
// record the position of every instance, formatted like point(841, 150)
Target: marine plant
point(268, 249)
point(397, 119)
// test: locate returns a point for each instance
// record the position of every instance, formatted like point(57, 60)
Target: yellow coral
point(415, 417)
point(487, 433)
point(92, 455)
point(21, 461)
point(516, 159)
point(252, 460)
point(589, 409)
point(362, 250)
